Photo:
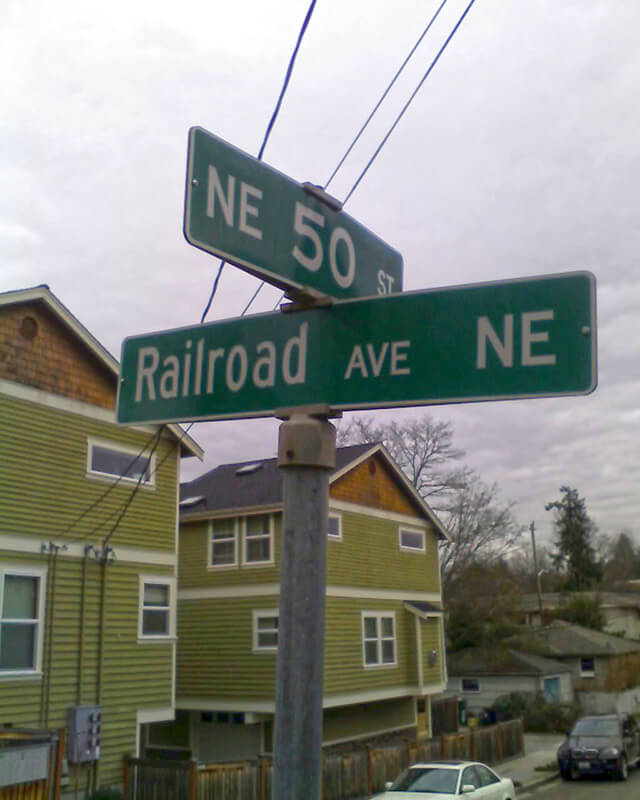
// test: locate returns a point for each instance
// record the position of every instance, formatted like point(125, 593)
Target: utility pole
point(306, 456)
point(535, 567)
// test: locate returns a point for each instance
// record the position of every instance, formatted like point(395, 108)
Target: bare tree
point(481, 527)
point(422, 447)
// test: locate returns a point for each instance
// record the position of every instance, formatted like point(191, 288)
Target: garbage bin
point(462, 712)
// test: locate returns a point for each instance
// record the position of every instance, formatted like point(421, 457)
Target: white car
point(449, 779)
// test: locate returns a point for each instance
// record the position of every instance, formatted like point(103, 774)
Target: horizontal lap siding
point(136, 675)
point(369, 556)
point(368, 719)
point(215, 657)
point(344, 664)
point(430, 633)
point(44, 469)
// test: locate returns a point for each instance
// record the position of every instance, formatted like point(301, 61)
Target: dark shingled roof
point(477, 661)
point(232, 486)
point(564, 639)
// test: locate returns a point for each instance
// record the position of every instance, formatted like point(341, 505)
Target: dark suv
point(600, 744)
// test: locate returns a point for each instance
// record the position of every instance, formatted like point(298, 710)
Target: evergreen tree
point(575, 553)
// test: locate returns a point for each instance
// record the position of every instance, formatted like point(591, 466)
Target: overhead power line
point(384, 94)
point(276, 111)
point(409, 101)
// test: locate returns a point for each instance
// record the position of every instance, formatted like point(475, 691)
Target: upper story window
point(265, 630)
point(108, 460)
point(587, 668)
point(378, 638)
point(156, 607)
point(223, 543)
point(21, 620)
point(334, 526)
point(412, 539)
point(258, 539)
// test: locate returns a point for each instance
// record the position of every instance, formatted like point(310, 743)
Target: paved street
point(588, 789)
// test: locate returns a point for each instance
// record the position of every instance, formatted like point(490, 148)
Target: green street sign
point(515, 339)
point(255, 217)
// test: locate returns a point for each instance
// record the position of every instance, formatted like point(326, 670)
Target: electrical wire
point(105, 494)
point(363, 128)
point(409, 101)
point(384, 94)
point(267, 134)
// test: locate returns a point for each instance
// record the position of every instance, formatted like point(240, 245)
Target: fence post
point(126, 776)
point(369, 771)
point(522, 736)
point(474, 745)
point(193, 780)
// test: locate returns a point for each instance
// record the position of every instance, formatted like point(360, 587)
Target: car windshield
point(595, 727)
point(427, 779)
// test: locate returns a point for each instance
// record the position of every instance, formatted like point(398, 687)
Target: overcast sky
point(518, 157)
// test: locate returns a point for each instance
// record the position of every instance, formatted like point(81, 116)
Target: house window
point(156, 608)
point(258, 540)
point(378, 639)
point(21, 615)
point(112, 461)
point(412, 540)
point(223, 549)
point(587, 668)
point(470, 685)
point(265, 630)
point(334, 526)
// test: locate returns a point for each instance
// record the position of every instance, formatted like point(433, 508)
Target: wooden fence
point(354, 775)
point(18, 742)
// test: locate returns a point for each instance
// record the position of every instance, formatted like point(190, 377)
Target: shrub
point(537, 714)
point(106, 794)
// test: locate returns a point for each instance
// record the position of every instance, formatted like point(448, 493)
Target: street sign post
point(534, 337)
point(255, 217)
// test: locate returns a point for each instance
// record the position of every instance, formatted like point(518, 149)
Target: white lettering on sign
point(368, 362)
point(504, 347)
point(344, 277)
point(226, 202)
point(385, 282)
point(229, 370)
point(528, 337)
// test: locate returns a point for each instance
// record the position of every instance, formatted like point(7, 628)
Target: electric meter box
point(84, 731)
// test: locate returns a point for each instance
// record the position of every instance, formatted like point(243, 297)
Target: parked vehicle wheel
point(565, 774)
point(623, 772)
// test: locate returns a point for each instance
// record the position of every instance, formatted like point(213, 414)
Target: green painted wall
point(44, 488)
point(368, 719)
point(368, 556)
point(215, 657)
point(44, 467)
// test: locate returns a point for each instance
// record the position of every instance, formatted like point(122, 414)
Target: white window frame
point(234, 564)
point(125, 450)
point(470, 691)
point(588, 673)
point(407, 548)
point(245, 539)
point(379, 615)
point(257, 615)
point(30, 572)
point(163, 580)
point(337, 516)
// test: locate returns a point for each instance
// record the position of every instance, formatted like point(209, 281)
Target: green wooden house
point(88, 542)
point(384, 654)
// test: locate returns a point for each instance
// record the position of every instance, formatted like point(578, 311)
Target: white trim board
point(75, 549)
point(257, 590)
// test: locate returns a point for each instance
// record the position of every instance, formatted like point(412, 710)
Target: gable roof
point(42, 294)
point(258, 484)
point(564, 639)
point(477, 661)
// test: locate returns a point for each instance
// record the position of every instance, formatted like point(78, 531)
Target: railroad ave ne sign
point(524, 338)
point(255, 217)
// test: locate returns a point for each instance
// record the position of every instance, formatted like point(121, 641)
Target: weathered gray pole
point(306, 455)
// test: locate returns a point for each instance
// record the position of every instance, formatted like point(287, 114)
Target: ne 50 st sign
point(529, 338)
point(255, 217)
